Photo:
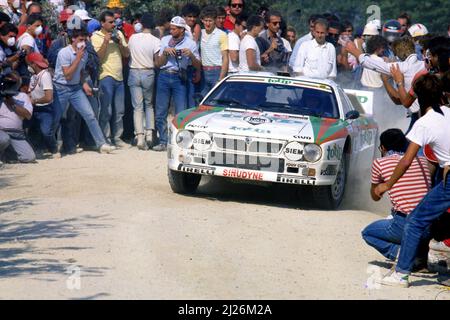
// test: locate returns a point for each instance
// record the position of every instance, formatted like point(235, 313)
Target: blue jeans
point(211, 78)
point(385, 235)
point(416, 229)
point(78, 100)
point(112, 107)
point(190, 87)
point(168, 84)
point(141, 82)
point(47, 117)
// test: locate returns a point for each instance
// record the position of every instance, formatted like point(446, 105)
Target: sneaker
point(396, 279)
point(56, 155)
point(150, 138)
point(439, 246)
point(119, 143)
point(160, 147)
point(106, 148)
point(141, 145)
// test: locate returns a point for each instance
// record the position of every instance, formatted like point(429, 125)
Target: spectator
point(163, 23)
point(70, 87)
point(137, 24)
point(234, 43)
point(4, 19)
point(291, 36)
point(375, 47)
point(144, 48)
point(418, 31)
point(307, 37)
point(262, 11)
point(111, 47)
point(274, 52)
point(236, 9)
point(432, 129)
point(405, 21)
point(249, 54)
point(8, 52)
point(13, 11)
point(176, 53)
point(41, 92)
point(386, 235)
point(32, 8)
point(316, 58)
point(214, 49)
point(12, 136)
point(190, 13)
point(27, 41)
point(334, 31)
point(220, 19)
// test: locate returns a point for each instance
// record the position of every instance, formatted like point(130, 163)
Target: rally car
point(263, 127)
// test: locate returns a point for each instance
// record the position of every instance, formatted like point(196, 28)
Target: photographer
point(177, 52)
point(41, 93)
point(8, 52)
point(13, 110)
point(111, 48)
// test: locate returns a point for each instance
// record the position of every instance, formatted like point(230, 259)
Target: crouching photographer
point(14, 108)
point(177, 52)
point(41, 91)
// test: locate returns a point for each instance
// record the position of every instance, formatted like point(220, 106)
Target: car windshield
point(273, 97)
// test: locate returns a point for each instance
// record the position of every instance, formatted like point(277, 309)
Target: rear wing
point(361, 100)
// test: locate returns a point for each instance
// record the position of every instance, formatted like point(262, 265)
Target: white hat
point(417, 30)
point(4, 3)
point(180, 22)
point(82, 14)
point(370, 30)
point(376, 22)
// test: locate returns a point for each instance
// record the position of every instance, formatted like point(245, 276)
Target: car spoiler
point(362, 100)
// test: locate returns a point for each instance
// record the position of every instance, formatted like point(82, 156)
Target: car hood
point(264, 124)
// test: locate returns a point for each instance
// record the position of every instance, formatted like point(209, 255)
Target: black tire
point(182, 182)
point(330, 197)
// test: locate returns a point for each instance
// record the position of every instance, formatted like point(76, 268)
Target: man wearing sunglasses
point(236, 9)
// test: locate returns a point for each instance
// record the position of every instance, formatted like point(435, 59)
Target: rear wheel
point(330, 197)
point(183, 182)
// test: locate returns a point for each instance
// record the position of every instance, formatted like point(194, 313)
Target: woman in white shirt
point(249, 54)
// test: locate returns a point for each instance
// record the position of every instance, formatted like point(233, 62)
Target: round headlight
point(184, 139)
point(294, 151)
point(202, 141)
point(312, 152)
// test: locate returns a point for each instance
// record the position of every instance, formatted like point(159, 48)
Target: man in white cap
point(177, 52)
point(82, 14)
point(417, 32)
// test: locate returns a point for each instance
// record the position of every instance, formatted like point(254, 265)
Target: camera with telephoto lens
point(10, 82)
point(178, 54)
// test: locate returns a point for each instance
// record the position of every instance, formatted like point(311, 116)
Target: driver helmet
point(392, 30)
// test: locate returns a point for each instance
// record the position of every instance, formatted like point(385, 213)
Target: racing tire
point(183, 182)
point(330, 197)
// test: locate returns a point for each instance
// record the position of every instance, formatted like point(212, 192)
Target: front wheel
point(330, 197)
point(183, 182)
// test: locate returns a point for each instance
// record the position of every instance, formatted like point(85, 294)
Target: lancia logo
point(257, 120)
point(248, 140)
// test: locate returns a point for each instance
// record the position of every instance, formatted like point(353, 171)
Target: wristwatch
point(400, 83)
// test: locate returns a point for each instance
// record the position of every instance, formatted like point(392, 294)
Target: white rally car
point(297, 131)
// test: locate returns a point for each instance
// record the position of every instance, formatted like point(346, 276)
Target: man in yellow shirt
point(111, 47)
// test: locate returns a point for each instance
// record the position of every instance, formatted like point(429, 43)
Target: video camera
point(10, 82)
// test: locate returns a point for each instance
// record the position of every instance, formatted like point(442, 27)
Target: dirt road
point(108, 226)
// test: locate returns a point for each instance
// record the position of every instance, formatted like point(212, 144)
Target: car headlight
point(312, 152)
point(294, 151)
point(202, 141)
point(184, 139)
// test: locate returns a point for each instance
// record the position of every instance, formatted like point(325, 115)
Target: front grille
point(230, 144)
point(248, 162)
point(265, 147)
point(253, 145)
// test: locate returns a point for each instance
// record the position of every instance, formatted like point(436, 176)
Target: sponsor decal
point(196, 169)
point(257, 120)
point(242, 174)
point(303, 137)
point(278, 80)
point(250, 129)
point(366, 137)
point(202, 141)
point(293, 151)
point(295, 180)
point(334, 152)
point(330, 170)
point(296, 165)
point(196, 126)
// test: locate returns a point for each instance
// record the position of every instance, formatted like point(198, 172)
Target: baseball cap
point(38, 59)
point(65, 15)
point(370, 30)
point(82, 14)
point(180, 22)
point(93, 25)
point(417, 30)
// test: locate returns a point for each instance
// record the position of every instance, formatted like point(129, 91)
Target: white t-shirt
point(142, 48)
point(10, 119)
point(370, 78)
point(39, 83)
point(234, 43)
point(248, 43)
point(27, 40)
point(434, 129)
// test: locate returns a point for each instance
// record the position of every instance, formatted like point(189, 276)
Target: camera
point(178, 54)
point(22, 54)
point(10, 82)
point(115, 36)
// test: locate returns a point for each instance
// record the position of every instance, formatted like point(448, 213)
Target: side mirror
point(351, 115)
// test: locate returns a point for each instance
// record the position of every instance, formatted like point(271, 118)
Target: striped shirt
point(409, 190)
point(211, 47)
